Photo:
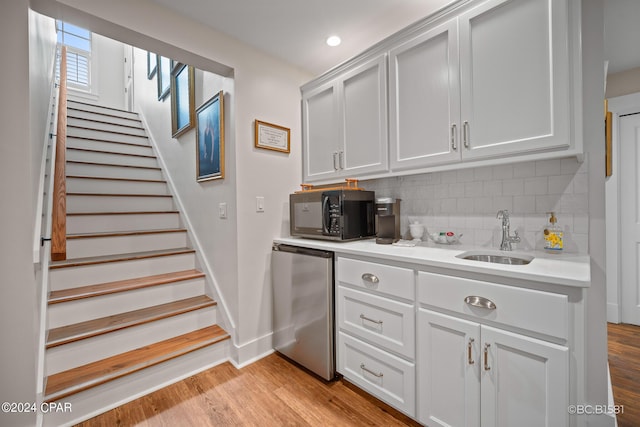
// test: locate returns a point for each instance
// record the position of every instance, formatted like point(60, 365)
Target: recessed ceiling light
point(333, 41)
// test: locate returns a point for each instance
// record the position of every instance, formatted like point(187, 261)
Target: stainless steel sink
point(496, 258)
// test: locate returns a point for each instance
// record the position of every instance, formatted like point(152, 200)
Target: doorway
point(629, 134)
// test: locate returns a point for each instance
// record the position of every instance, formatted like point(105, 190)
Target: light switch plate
point(222, 210)
point(259, 204)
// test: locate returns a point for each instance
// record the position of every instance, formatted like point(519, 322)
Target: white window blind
point(78, 42)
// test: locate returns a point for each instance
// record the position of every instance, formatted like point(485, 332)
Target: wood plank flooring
point(624, 364)
point(270, 392)
point(273, 391)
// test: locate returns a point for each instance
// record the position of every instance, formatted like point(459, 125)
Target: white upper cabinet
point(424, 99)
point(478, 83)
point(345, 124)
point(321, 132)
point(514, 68)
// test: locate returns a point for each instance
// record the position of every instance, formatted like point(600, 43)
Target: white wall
point(593, 96)
point(107, 74)
point(266, 89)
point(17, 282)
point(217, 237)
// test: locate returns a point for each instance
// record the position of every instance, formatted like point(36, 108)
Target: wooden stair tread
point(108, 178)
point(94, 327)
point(90, 150)
point(79, 262)
point(78, 379)
point(80, 162)
point(84, 138)
point(122, 213)
point(125, 233)
point(82, 292)
point(118, 195)
point(101, 113)
point(73, 104)
point(133, 135)
point(131, 126)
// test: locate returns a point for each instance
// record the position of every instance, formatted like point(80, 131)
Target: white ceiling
point(296, 30)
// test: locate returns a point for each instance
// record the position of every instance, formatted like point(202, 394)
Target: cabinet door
point(524, 381)
point(424, 99)
point(514, 66)
point(321, 133)
point(364, 112)
point(448, 370)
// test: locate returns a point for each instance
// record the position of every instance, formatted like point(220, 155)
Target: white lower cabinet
point(453, 351)
point(472, 374)
point(387, 377)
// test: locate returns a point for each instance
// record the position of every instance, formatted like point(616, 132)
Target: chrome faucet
point(507, 240)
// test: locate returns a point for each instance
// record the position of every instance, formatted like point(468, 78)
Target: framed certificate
point(272, 137)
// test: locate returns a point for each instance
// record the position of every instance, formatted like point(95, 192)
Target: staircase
point(127, 310)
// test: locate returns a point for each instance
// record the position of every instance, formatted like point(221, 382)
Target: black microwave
point(333, 214)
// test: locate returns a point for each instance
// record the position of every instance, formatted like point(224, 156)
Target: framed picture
point(608, 154)
point(152, 64)
point(164, 76)
point(182, 99)
point(272, 137)
point(210, 139)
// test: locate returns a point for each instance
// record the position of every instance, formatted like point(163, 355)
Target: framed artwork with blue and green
point(210, 139)
point(182, 99)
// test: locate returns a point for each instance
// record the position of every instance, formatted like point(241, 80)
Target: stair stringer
point(211, 283)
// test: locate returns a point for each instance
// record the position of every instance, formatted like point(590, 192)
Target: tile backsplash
point(467, 200)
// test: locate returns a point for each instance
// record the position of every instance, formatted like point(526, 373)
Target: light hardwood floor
point(274, 392)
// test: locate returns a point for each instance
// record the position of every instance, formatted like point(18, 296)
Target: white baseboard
point(252, 351)
point(613, 313)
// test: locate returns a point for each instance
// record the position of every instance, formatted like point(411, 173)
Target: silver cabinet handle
point(486, 357)
point(454, 146)
point(465, 134)
point(371, 278)
point(482, 302)
point(335, 160)
point(363, 317)
point(470, 360)
point(375, 374)
point(341, 158)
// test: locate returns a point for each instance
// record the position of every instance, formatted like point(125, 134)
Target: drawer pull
point(486, 357)
point(470, 360)
point(371, 278)
point(480, 302)
point(375, 374)
point(363, 317)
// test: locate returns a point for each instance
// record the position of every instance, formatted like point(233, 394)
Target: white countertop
point(558, 269)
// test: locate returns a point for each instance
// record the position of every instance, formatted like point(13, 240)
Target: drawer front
point(381, 374)
point(394, 281)
point(388, 323)
point(537, 311)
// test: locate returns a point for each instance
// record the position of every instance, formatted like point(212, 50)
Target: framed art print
point(210, 139)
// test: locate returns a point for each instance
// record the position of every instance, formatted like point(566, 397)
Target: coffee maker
point(387, 220)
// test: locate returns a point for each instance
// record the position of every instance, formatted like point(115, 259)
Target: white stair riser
point(88, 115)
point(72, 277)
point(99, 246)
point(81, 352)
point(145, 150)
point(96, 400)
point(77, 224)
point(109, 158)
point(83, 169)
point(102, 110)
point(69, 313)
point(107, 136)
point(105, 125)
point(77, 203)
point(84, 185)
